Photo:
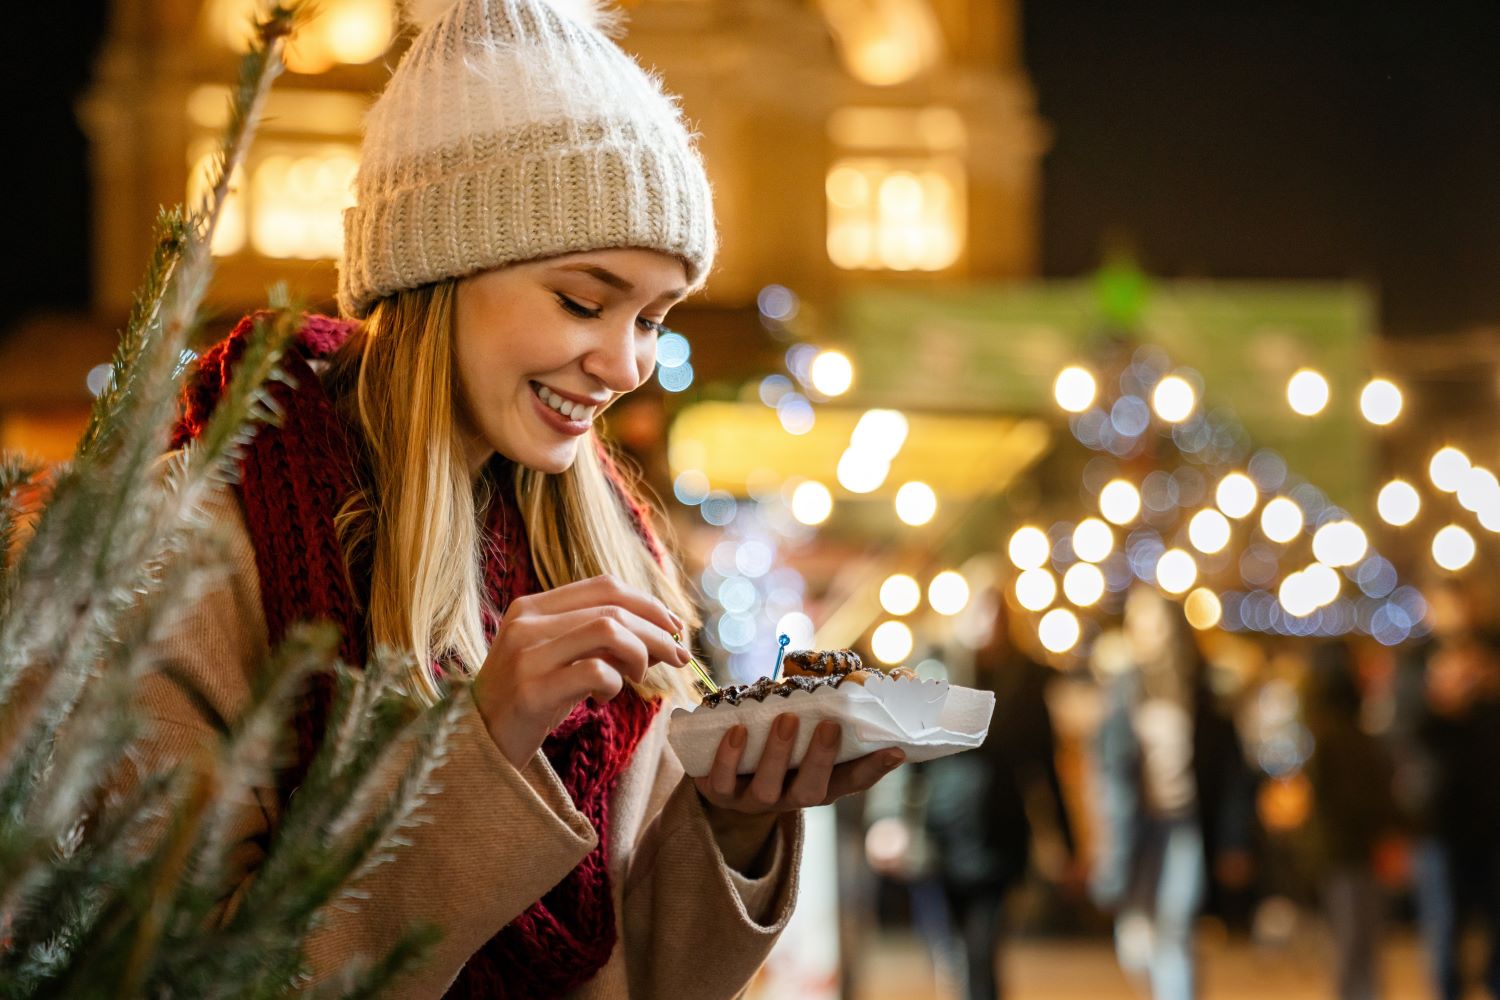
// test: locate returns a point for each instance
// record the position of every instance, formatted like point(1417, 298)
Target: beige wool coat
point(497, 838)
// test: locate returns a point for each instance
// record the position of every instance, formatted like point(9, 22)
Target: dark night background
point(1256, 140)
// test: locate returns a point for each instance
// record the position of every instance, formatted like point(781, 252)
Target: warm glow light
point(1083, 584)
point(1453, 548)
point(1281, 520)
point(354, 31)
point(1202, 608)
point(1092, 540)
point(900, 594)
point(1398, 503)
point(1029, 548)
point(1035, 589)
point(1479, 489)
point(916, 503)
point(861, 472)
point(1448, 468)
point(891, 642)
point(1380, 402)
point(1322, 583)
point(1174, 399)
point(1340, 543)
point(1074, 389)
point(948, 593)
point(811, 502)
point(831, 373)
point(1296, 596)
point(1176, 572)
point(1307, 392)
point(880, 433)
point(896, 214)
point(1058, 630)
point(1237, 495)
point(1119, 502)
point(1209, 531)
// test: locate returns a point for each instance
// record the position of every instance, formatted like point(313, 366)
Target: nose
point(621, 360)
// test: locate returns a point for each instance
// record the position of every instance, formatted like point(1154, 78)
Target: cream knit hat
point(515, 130)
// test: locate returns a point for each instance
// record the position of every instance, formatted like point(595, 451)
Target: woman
point(1174, 795)
point(529, 207)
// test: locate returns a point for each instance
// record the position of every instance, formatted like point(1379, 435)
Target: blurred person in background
point(966, 837)
point(1175, 797)
point(1354, 810)
point(1447, 732)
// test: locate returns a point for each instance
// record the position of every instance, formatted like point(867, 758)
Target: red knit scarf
point(293, 479)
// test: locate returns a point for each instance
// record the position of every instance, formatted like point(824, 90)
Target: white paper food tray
point(927, 719)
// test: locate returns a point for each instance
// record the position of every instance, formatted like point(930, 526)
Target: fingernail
point(737, 737)
point(828, 734)
point(891, 759)
point(786, 727)
point(683, 655)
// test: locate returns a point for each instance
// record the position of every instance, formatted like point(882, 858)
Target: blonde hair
point(420, 515)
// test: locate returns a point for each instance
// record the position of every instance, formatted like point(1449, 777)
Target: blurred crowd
point(1344, 782)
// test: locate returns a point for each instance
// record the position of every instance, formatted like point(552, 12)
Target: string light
point(1176, 571)
point(1448, 468)
point(1058, 630)
point(1453, 548)
point(831, 373)
point(1029, 548)
point(811, 502)
point(1237, 495)
point(948, 593)
point(1307, 392)
point(916, 503)
point(1083, 584)
point(1380, 402)
point(1398, 503)
point(1074, 389)
point(1281, 520)
point(1119, 502)
point(1036, 589)
point(1092, 540)
point(891, 642)
point(900, 594)
point(1203, 609)
point(1174, 399)
point(1480, 488)
point(1209, 531)
point(1340, 543)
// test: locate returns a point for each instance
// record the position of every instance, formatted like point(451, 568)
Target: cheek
point(645, 362)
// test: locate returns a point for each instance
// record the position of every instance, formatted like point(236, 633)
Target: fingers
point(809, 787)
point(602, 591)
point(587, 678)
point(723, 777)
point(587, 630)
point(765, 788)
point(859, 774)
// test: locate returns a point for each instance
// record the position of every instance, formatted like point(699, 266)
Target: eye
point(656, 326)
point(577, 308)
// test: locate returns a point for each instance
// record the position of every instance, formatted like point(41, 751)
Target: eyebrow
point(616, 282)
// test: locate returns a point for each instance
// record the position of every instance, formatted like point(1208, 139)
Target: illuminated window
point(340, 31)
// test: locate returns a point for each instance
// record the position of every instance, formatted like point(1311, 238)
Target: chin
point(552, 461)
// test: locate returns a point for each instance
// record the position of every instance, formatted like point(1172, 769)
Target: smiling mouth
point(577, 412)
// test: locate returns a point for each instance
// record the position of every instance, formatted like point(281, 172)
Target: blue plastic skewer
point(781, 646)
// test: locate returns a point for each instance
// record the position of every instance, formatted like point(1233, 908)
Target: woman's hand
point(743, 808)
point(555, 649)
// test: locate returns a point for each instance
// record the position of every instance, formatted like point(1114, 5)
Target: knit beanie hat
point(514, 130)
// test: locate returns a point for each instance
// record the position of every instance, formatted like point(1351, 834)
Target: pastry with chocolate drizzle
point(804, 670)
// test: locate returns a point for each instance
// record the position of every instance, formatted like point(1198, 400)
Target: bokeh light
point(916, 503)
point(1209, 531)
point(1092, 540)
point(1453, 548)
point(811, 502)
point(831, 373)
point(1058, 630)
point(1448, 468)
point(891, 642)
point(1176, 572)
point(1083, 584)
point(948, 593)
point(1028, 548)
point(1340, 543)
point(1322, 584)
point(1174, 399)
point(1398, 503)
point(1237, 495)
point(1074, 389)
point(1380, 402)
point(1119, 502)
point(1307, 392)
point(1202, 608)
point(862, 471)
point(1036, 589)
point(900, 594)
point(1281, 520)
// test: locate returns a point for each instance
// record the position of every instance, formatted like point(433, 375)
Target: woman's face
point(543, 347)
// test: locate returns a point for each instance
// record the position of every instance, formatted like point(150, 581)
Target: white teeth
point(569, 409)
